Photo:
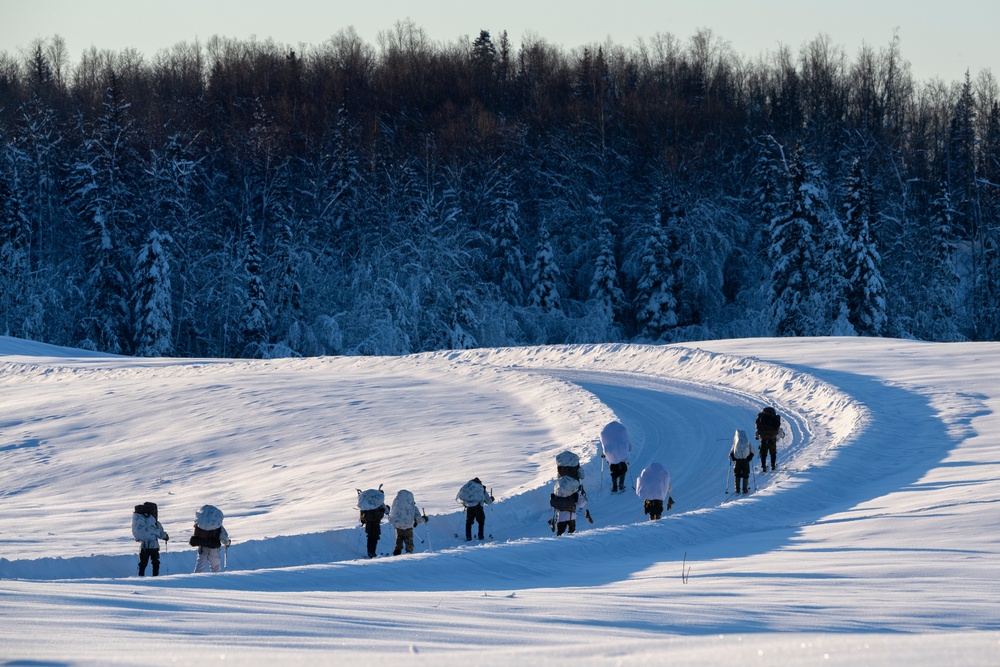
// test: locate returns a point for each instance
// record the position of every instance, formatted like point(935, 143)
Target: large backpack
point(209, 517)
point(568, 465)
point(565, 494)
point(371, 499)
point(211, 539)
point(472, 493)
point(741, 446)
point(768, 423)
point(616, 443)
point(653, 483)
point(404, 511)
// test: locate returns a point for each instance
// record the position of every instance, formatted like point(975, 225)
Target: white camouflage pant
point(208, 556)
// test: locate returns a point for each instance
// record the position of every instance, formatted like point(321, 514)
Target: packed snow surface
point(876, 540)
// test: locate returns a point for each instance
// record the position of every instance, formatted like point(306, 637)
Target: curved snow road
point(681, 407)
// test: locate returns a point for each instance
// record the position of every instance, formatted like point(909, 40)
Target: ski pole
point(427, 531)
point(754, 473)
point(225, 557)
point(602, 473)
point(729, 471)
point(589, 518)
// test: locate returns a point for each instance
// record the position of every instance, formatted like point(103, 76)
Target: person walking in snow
point(617, 446)
point(373, 510)
point(568, 498)
point(653, 486)
point(768, 430)
point(740, 454)
point(473, 495)
point(404, 517)
point(146, 530)
point(209, 536)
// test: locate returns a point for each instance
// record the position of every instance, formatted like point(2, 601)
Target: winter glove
point(670, 502)
point(227, 543)
point(166, 538)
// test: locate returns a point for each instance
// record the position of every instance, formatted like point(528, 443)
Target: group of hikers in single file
point(567, 500)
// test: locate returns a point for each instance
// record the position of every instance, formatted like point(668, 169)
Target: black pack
point(564, 503)
point(206, 538)
point(148, 509)
point(768, 422)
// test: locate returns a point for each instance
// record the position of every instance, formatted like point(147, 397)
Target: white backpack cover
point(566, 487)
point(404, 511)
point(209, 517)
point(653, 483)
point(472, 493)
point(146, 529)
point(371, 499)
point(567, 459)
point(616, 443)
point(741, 445)
point(568, 464)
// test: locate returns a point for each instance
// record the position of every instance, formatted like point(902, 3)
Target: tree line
point(248, 199)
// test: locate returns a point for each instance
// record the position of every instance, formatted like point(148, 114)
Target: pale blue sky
point(940, 39)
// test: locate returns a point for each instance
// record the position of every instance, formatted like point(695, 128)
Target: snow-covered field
point(877, 541)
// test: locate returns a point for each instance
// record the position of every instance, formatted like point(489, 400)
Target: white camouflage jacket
point(146, 529)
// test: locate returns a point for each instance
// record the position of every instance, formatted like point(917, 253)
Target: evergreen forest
point(251, 199)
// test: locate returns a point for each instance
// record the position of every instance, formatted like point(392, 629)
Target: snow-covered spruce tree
point(545, 276)
point(287, 313)
point(255, 313)
point(154, 300)
point(656, 304)
point(865, 298)
point(463, 321)
point(770, 172)
point(508, 259)
point(832, 276)
point(793, 253)
point(14, 263)
point(604, 289)
point(936, 317)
